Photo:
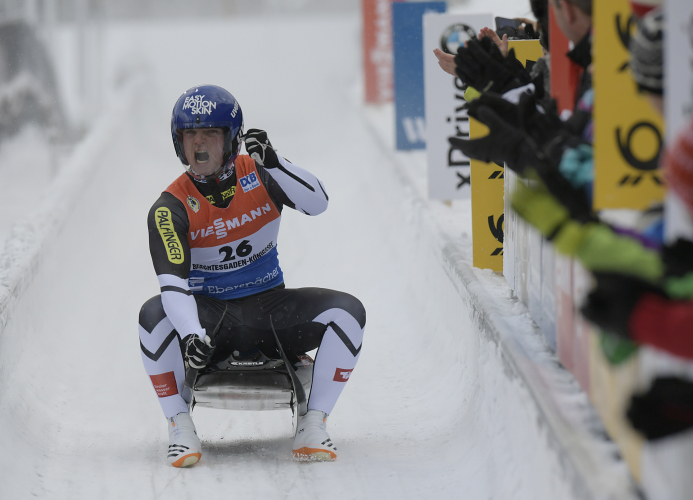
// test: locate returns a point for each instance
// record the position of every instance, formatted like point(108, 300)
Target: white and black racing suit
point(214, 249)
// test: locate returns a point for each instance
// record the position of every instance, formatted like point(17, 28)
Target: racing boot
point(312, 443)
point(184, 448)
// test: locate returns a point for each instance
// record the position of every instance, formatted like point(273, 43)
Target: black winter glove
point(610, 304)
point(678, 258)
point(505, 110)
point(260, 148)
point(665, 409)
point(517, 68)
point(198, 351)
point(504, 143)
point(541, 122)
point(481, 65)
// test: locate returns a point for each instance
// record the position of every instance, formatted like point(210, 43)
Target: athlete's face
point(204, 149)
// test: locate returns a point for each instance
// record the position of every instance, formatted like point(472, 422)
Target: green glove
point(616, 349)
point(543, 211)
point(538, 207)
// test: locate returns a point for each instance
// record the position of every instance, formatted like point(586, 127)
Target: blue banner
point(407, 41)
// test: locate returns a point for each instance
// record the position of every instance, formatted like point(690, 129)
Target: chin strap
point(227, 167)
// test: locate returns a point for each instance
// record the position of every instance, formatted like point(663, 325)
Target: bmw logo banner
point(449, 171)
point(407, 39)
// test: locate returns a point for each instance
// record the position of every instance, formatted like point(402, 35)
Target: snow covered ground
point(431, 410)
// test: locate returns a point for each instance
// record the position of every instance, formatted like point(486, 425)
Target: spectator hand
point(198, 351)
point(502, 44)
point(554, 219)
point(678, 258)
point(481, 65)
point(504, 143)
point(612, 301)
point(445, 61)
point(544, 126)
point(665, 409)
point(260, 148)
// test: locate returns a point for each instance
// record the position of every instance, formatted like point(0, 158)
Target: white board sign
point(449, 171)
point(678, 65)
point(678, 102)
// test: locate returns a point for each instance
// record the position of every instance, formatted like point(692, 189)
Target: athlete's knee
point(151, 313)
point(353, 306)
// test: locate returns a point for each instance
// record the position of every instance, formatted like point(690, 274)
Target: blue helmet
point(208, 106)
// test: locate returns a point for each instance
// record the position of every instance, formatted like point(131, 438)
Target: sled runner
point(252, 381)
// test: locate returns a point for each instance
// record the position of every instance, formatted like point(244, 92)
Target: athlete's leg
point(304, 319)
point(162, 358)
point(301, 318)
point(163, 361)
point(161, 349)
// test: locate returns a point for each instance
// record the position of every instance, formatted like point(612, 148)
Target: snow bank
point(26, 422)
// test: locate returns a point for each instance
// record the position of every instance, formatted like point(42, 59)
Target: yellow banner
point(628, 132)
point(487, 186)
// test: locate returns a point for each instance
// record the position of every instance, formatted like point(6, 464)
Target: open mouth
point(201, 156)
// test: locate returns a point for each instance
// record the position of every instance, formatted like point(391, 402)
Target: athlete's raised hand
point(260, 148)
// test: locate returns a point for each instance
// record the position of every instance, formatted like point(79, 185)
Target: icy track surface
point(429, 411)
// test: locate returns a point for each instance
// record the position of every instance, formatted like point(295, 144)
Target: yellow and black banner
point(487, 186)
point(628, 132)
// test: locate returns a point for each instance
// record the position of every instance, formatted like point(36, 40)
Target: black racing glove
point(610, 304)
point(260, 148)
point(665, 409)
point(198, 351)
point(481, 65)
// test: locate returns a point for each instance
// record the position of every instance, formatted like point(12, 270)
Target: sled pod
point(257, 384)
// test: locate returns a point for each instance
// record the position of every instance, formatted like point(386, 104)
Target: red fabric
point(642, 7)
point(565, 74)
point(663, 323)
point(678, 165)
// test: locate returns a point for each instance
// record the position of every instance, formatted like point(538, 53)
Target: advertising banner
point(449, 171)
point(377, 50)
point(487, 209)
point(509, 228)
point(407, 37)
point(628, 131)
point(678, 61)
point(487, 178)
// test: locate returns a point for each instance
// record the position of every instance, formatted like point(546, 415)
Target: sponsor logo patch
point(164, 384)
point(342, 375)
point(247, 363)
point(174, 249)
point(193, 204)
point(219, 224)
point(456, 36)
point(225, 195)
point(249, 182)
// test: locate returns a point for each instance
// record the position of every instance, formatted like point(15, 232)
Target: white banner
point(449, 171)
point(678, 62)
point(678, 102)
